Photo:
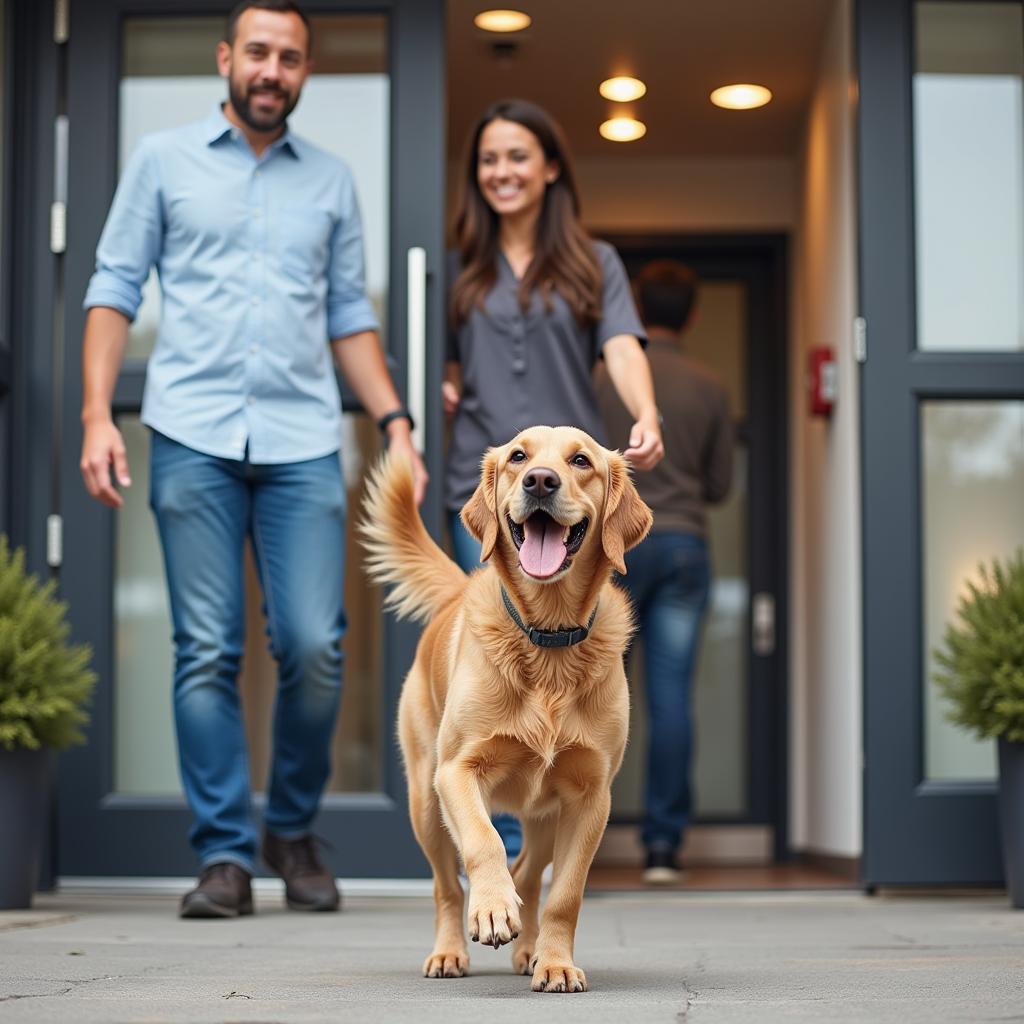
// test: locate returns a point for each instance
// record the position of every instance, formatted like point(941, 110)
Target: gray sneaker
point(662, 868)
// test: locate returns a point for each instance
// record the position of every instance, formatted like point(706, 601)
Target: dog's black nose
point(541, 482)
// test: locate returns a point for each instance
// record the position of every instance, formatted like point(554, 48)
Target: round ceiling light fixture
point(741, 97)
point(622, 89)
point(623, 129)
point(502, 21)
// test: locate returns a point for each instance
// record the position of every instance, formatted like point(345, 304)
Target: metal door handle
point(762, 624)
point(416, 341)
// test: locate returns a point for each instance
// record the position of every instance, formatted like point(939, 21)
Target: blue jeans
point(466, 550)
point(294, 515)
point(668, 578)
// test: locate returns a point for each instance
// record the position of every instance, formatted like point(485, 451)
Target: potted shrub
point(45, 684)
point(982, 674)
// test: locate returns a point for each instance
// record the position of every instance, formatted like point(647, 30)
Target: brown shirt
point(697, 430)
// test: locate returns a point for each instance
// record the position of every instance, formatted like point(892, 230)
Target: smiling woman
point(534, 303)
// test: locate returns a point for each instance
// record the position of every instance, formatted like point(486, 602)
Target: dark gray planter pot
point(23, 803)
point(1011, 817)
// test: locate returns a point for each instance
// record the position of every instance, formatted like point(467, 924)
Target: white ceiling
point(682, 49)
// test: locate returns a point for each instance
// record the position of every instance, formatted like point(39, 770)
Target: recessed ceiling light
point(622, 89)
point(502, 21)
point(623, 129)
point(741, 97)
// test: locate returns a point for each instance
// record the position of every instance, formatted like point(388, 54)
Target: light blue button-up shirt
point(260, 263)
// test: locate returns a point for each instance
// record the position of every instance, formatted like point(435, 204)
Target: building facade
point(887, 228)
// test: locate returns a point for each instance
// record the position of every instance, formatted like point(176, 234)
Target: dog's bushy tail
point(399, 550)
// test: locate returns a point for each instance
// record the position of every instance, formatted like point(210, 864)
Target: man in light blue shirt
point(256, 238)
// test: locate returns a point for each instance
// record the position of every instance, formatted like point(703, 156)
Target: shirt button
point(254, 349)
point(519, 366)
point(255, 300)
point(256, 257)
point(250, 400)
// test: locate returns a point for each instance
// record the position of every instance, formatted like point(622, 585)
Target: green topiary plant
point(982, 657)
point(45, 683)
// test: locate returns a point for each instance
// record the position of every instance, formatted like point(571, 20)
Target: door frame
point(916, 830)
point(760, 261)
point(96, 824)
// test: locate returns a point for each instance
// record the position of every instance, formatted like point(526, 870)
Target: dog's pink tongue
point(543, 552)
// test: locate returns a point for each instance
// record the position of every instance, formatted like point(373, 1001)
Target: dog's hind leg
point(538, 846)
point(449, 958)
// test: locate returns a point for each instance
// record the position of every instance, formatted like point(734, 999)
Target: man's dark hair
point(281, 6)
point(665, 292)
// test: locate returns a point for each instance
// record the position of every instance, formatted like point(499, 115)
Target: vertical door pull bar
point(763, 624)
point(416, 341)
point(59, 206)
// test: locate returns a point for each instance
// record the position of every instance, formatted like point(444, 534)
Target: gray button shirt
point(521, 368)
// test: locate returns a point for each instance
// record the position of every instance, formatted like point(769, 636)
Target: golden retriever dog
point(516, 700)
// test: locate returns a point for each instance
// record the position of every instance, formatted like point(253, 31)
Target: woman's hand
point(646, 448)
point(630, 372)
point(449, 397)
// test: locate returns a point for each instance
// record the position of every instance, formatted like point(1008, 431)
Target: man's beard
point(241, 101)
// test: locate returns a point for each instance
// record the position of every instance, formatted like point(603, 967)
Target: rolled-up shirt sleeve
point(348, 308)
point(131, 239)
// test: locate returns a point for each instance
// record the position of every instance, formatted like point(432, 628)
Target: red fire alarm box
point(822, 380)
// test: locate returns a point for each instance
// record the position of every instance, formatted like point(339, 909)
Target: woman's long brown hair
point(563, 255)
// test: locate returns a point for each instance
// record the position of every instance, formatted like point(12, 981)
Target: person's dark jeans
point(294, 513)
point(668, 578)
point(466, 550)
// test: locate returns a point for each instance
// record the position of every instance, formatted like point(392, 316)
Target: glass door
point(739, 686)
point(375, 99)
point(942, 295)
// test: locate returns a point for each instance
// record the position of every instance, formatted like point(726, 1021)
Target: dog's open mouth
point(545, 546)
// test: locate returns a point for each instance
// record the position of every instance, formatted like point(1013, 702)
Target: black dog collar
point(549, 637)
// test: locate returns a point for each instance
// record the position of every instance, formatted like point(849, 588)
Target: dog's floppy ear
point(627, 519)
point(480, 513)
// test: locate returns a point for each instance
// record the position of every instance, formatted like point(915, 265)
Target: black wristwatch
point(401, 413)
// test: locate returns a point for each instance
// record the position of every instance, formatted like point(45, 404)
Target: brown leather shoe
point(224, 890)
point(308, 884)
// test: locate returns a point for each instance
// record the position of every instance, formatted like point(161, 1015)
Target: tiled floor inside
point(719, 878)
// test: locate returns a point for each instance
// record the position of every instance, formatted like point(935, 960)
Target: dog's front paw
point(494, 919)
point(453, 964)
point(557, 975)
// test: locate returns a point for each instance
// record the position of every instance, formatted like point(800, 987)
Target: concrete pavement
point(690, 957)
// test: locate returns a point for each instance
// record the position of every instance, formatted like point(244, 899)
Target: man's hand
point(103, 448)
point(645, 445)
point(400, 444)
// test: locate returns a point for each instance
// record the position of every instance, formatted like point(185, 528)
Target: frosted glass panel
point(145, 754)
point(968, 146)
point(170, 80)
point(973, 511)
